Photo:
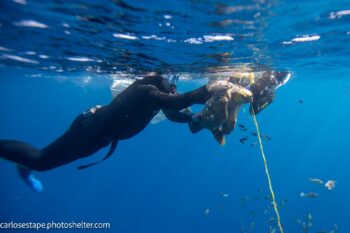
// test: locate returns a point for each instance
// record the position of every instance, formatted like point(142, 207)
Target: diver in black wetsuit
point(127, 115)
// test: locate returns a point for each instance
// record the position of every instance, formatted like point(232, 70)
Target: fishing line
point(267, 173)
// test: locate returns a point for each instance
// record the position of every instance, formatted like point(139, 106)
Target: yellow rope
point(267, 173)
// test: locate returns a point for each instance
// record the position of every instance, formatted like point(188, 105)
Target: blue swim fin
point(29, 178)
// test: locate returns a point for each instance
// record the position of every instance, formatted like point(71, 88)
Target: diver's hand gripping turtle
point(220, 112)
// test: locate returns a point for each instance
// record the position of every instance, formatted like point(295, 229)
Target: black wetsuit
point(127, 115)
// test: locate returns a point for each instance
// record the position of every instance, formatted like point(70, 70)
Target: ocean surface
point(58, 58)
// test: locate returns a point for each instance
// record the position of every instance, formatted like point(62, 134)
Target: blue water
point(164, 179)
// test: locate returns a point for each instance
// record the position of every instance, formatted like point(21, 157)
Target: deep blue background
point(163, 179)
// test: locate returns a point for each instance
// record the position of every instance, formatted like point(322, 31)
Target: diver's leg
point(79, 141)
point(30, 157)
point(19, 152)
point(67, 148)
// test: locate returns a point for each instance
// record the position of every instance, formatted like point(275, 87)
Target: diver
point(220, 112)
point(127, 115)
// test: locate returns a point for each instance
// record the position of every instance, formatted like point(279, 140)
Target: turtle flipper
point(219, 137)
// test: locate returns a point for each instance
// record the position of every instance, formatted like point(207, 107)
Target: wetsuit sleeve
point(177, 116)
point(178, 101)
point(261, 102)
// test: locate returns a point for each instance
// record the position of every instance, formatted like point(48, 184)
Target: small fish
point(224, 195)
point(242, 140)
point(298, 221)
point(322, 231)
point(254, 144)
point(272, 230)
point(309, 195)
point(241, 126)
point(251, 227)
point(221, 208)
point(271, 221)
point(252, 212)
point(309, 217)
point(206, 212)
point(266, 137)
point(315, 181)
point(244, 200)
point(330, 184)
point(300, 101)
point(284, 202)
point(336, 227)
point(263, 136)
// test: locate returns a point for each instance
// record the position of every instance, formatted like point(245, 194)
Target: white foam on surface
point(194, 41)
point(125, 36)
point(43, 56)
point(80, 59)
point(4, 49)
point(153, 37)
point(30, 23)
point(305, 38)
point(19, 59)
point(212, 38)
point(209, 39)
point(339, 14)
point(22, 2)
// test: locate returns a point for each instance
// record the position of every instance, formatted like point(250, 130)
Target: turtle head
point(242, 96)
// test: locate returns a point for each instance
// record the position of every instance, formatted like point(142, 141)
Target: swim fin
point(29, 178)
point(110, 152)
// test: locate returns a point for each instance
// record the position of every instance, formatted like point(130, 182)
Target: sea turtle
point(220, 112)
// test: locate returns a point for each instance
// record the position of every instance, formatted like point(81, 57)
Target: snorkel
point(282, 77)
point(170, 83)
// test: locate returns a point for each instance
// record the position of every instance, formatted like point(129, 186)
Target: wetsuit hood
point(264, 89)
point(155, 80)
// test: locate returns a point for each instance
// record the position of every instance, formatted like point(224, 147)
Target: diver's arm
point(178, 101)
point(261, 102)
point(177, 116)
